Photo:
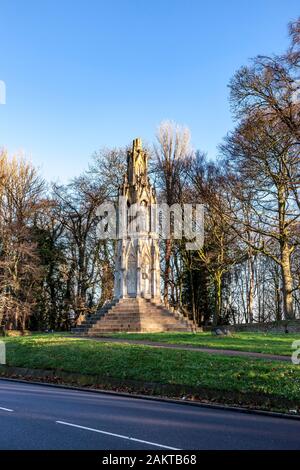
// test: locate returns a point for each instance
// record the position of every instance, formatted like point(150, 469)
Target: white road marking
point(117, 435)
point(5, 409)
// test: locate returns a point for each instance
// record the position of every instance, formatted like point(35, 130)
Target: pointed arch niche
point(131, 272)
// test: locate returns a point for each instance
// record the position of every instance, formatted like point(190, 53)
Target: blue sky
point(81, 75)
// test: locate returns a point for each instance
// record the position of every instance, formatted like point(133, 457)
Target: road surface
point(43, 417)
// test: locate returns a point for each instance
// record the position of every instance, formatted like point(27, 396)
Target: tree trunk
point(218, 294)
point(287, 282)
point(167, 270)
point(277, 296)
point(193, 296)
point(251, 286)
point(285, 253)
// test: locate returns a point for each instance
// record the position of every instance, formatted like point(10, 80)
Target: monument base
point(133, 315)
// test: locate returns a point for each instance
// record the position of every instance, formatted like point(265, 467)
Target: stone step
point(134, 330)
point(140, 310)
point(112, 326)
point(142, 316)
point(112, 323)
point(136, 324)
point(138, 315)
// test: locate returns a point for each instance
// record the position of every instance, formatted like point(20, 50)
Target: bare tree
point(172, 156)
point(262, 156)
point(220, 251)
point(21, 192)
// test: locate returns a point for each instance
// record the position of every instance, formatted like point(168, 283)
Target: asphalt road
point(41, 417)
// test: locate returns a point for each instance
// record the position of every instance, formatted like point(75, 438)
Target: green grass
point(269, 343)
point(144, 363)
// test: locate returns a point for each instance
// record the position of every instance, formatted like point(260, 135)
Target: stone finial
point(137, 144)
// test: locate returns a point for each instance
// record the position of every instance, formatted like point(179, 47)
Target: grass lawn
point(269, 343)
point(144, 363)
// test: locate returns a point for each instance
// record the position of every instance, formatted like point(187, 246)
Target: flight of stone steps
point(133, 315)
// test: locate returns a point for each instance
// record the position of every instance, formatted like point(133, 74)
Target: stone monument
point(137, 272)
point(136, 305)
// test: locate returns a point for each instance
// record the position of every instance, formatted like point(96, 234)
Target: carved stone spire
point(137, 162)
point(136, 184)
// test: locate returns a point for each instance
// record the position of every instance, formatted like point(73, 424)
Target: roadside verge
point(231, 400)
